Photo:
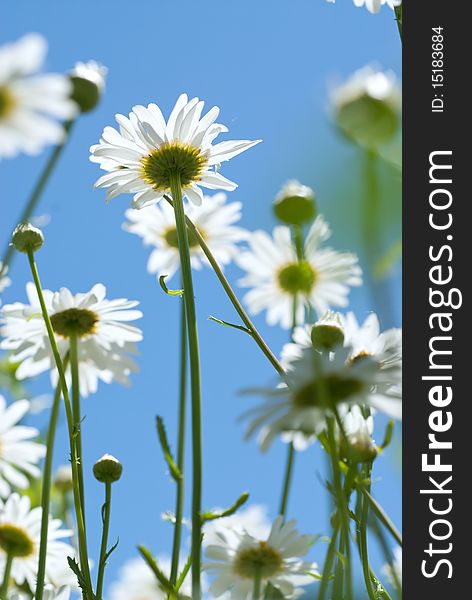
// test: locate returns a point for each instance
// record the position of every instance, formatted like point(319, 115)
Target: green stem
point(103, 547)
point(179, 501)
point(76, 413)
point(83, 554)
point(28, 210)
point(46, 493)
point(329, 560)
point(6, 577)
point(194, 355)
point(342, 503)
point(378, 532)
point(257, 586)
point(399, 20)
point(363, 541)
point(287, 480)
point(232, 296)
point(381, 515)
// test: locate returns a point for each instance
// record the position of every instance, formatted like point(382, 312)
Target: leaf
point(211, 516)
point(112, 549)
point(228, 324)
point(161, 432)
point(161, 578)
point(273, 593)
point(388, 434)
point(166, 289)
point(184, 573)
point(74, 565)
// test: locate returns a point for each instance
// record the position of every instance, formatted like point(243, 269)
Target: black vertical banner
point(437, 321)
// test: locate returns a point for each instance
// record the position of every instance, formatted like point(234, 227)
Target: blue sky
point(269, 67)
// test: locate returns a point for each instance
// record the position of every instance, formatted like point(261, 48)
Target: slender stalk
point(399, 20)
point(83, 554)
point(287, 480)
point(342, 503)
point(378, 532)
point(38, 189)
point(257, 586)
point(382, 515)
point(6, 577)
point(76, 413)
point(232, 296)
point(103, 546)
point(46, 492)
point(329, 560)
point(194, 355)
point(179, 501)
point(363, 542)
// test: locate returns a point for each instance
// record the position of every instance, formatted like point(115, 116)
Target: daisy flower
point(278, 278)
point(20, 527)
point(105, 337)
point(215, 220)
point(146, 151)
point(317, 382)
point(374, 6)
point(238, 558)
point(137, 582)
point(359, 430)
point(30, 103)
point(397, 566)
point(19, 456)
point(88, 81)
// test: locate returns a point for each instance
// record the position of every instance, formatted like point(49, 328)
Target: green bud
point(63, 479)
point(367, 108)
point(363, 450)
point(27, 238)
point(88, 81)
point(107, 469)
point(328, 332)
point(295, 204)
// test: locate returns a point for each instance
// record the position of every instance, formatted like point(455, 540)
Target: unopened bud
point(27, 238)
point(328, 332)
point(107, 469)
point(295, 204)
point(88, 82)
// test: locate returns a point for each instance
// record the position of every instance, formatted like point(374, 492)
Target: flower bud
point(328, 332)
point(27, 238)
point(63, 479)
point(367, 107)
point(360, 446)
point(295, 204)
point(88, 82)
point(107, 469)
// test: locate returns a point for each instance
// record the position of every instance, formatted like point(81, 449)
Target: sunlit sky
point(269, 66)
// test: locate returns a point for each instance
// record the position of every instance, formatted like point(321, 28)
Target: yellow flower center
point(169, 160)
point(171, 239)
point(327, 391)
point(7, 102)
point(297, 278)
point(15, 541)
point(75, 322)
point(262, 560)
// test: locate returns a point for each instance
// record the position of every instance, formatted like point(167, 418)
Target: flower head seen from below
point(19, 456)
point(105, 337)
point(215, 220)
point(358, 430)
point(30, 103)
point(237, 558)
point(19, 537)
point(136, 581)
point(88, 84)
point(374, 6)
point(147, 152)
point(278, 279)
point(316, 385)
point(367, 107)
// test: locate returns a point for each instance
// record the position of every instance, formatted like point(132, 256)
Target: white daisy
point(315, 383)
point(237, 558)
point(105, 337)
point(374, 6)
point(137, 582)
point(397, 566)
point(30, 103)
point(320, 280)
point(146, 150)
point(19, 456)
point(20, 535)
point(252, 520)
point(215, 219)
point(359, 430)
